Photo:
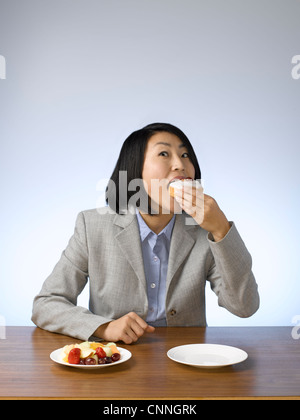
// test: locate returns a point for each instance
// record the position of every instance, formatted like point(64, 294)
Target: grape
point(90, 361)
point(115, 357)
point(107, 360)
point(101, 361)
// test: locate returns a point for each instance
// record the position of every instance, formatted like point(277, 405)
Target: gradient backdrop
point(81, 75)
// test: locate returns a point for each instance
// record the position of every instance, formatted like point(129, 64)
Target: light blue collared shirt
point(156, 255)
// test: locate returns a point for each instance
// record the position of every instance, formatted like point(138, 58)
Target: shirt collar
point(145, 230)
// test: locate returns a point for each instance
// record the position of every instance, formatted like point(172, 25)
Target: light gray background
point(82, 75)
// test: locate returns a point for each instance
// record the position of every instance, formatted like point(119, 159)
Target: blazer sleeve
point(231, 276)
point(55, 307)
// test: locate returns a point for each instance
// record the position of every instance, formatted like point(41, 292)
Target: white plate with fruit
point(90, 355)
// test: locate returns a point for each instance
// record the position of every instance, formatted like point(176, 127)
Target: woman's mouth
point(179, 178)
point(177, 183)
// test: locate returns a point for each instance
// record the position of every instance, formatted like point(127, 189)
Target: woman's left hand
point(204, 209)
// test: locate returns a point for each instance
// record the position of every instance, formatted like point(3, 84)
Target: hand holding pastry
point(202, 207)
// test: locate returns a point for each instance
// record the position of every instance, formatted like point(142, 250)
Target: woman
point(147, 256)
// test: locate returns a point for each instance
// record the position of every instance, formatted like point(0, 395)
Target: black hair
point(131, 160)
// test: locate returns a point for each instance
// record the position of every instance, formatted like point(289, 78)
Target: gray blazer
point(106, 251)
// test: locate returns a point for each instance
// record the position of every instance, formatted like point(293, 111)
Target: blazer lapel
point(130, 244)
point(129, 241)
point(181, 244)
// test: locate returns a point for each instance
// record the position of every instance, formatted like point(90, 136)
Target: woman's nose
point(177, 164)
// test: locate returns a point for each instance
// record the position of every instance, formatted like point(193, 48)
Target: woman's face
point(165, 159)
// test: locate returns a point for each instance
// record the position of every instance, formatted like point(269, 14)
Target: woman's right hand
point(129, 328)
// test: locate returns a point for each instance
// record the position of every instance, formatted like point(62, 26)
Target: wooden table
point(271, 370)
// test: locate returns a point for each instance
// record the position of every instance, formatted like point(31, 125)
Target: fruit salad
point(90, 353)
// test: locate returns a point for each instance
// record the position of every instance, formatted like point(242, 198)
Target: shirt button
point(172, 312)
point(153, 285)
point(155, 258)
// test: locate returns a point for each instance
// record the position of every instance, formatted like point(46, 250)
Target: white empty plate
point(207, 355)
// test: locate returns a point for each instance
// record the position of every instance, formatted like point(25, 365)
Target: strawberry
point(100, 352)
point(74, 356)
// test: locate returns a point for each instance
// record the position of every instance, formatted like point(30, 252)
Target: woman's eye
point(166, 154)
